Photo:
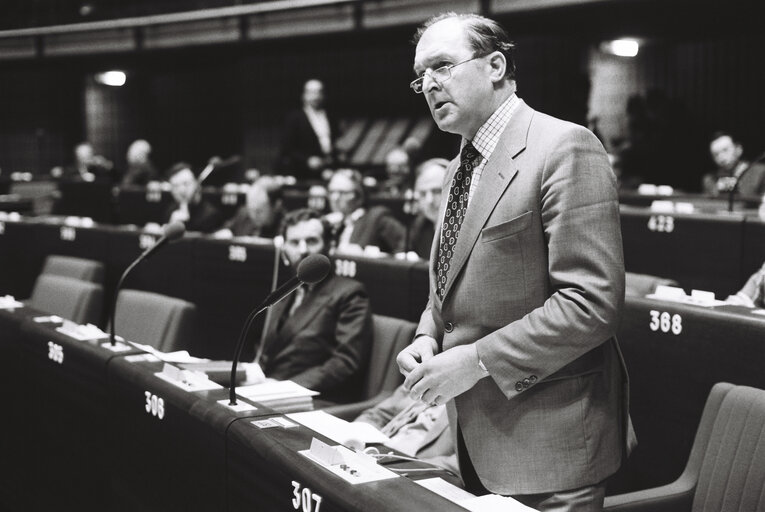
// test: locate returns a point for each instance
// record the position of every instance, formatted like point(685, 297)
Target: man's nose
point(428, 82)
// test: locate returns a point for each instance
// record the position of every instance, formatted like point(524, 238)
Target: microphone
point(172, 232)
point(214, 163)
point(313, 269)
point(412, 146)
point(734, 188)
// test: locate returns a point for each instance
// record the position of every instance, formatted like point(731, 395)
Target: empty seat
point(726, 467)
point(76, 300)
point(77, 268)
point(165, 323)
point(390, 336)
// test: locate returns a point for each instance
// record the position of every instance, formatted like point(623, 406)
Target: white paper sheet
point(338, 429)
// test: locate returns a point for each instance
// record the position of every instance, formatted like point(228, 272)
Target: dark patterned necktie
point(456, 207)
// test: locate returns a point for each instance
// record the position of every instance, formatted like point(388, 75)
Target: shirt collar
point(487, 136)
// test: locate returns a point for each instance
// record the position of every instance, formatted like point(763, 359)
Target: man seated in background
point(261, 215)
point(427, 192)
point(355, 226)
point(140, 169)
point(321, 336)
point(397, 167)
point(752, 295)
point(727, 154)
point(188, 206)
point(87, 165)
point(317, 199)
point(415, 428)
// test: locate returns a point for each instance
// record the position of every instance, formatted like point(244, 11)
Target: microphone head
point(174, 231)
point(313, 269)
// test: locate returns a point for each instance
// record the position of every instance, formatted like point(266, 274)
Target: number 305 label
point(665, 322)
point(304, 498)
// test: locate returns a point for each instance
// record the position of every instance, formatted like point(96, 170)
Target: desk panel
point(753, 253)
point(136, 205)
point(264, 463)
point(675, 353)
point(230, 279)
point(68, 420)
point(699, 251)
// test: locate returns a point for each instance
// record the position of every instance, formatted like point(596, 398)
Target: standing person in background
point(308, 141)
point(727, 154)
point(140, 169)
point(526, 283)
point(188, 205)
point(427, 191)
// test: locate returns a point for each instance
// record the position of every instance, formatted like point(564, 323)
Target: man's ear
point(498, 65)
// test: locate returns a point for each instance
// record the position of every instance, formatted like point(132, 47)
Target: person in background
point(414, 428)
point(727, 154)
point(308, 140)
point(87, 166)
point(527, 283)
point(140, 169)
point(261, 216)
point(188, 205)
point(321, 336)
point(397, 168)
point(317, 199)
point(427, 192)
point(752, 295)
point(356, 226)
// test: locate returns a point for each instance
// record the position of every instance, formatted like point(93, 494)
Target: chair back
point(165, 323)
point(78, 268)
point(732, 473)
point(73, 299)
point(390, 336)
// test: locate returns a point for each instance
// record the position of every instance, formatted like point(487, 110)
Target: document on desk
point(180, 356)
point(486, 503)
point(338, 429)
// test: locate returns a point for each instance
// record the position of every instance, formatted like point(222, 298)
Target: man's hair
point(485, 36)
point(175, 169)
point(722, 133)
point(302, 215)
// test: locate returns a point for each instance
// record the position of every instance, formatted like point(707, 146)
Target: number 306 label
point(665, 322)
point(154, 405)
point(304, 498)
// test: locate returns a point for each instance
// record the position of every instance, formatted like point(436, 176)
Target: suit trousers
point(583, 499)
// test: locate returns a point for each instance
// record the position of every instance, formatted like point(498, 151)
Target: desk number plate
point(666, 322)
point(155, 405)
point(303, 498)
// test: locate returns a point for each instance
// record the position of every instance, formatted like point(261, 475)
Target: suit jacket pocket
point(508, 228)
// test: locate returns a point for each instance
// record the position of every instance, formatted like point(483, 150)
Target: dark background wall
point(193, 103)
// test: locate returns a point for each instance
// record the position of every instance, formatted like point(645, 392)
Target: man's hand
point(421, 349)
point(445, 375)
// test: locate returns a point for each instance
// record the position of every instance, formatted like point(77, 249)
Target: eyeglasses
point(439, 75)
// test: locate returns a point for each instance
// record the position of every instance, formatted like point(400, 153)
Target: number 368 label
point(665, 322)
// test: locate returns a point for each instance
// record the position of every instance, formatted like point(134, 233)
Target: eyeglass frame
point(448, 68)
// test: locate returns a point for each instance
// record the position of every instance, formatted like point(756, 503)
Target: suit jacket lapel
point(495, 178)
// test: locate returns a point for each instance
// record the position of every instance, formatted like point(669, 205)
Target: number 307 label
point(665, 322)
point(304, 498)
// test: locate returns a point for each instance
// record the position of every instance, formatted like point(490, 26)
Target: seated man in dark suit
point(321, 336)
point(262, 214)
point(188, 206)
point(727, 154)
point(308, 140)
point(356, 227)
point(87, 166)
point(140, 169)
point(427, 192)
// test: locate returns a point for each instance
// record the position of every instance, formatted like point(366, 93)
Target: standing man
point(308, 141)
point(526, 283)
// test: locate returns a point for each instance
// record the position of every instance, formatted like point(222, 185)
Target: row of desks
point(90, 429)
point(81, 434)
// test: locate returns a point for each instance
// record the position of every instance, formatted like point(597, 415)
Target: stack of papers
point(282, 396)
point(8, 302)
